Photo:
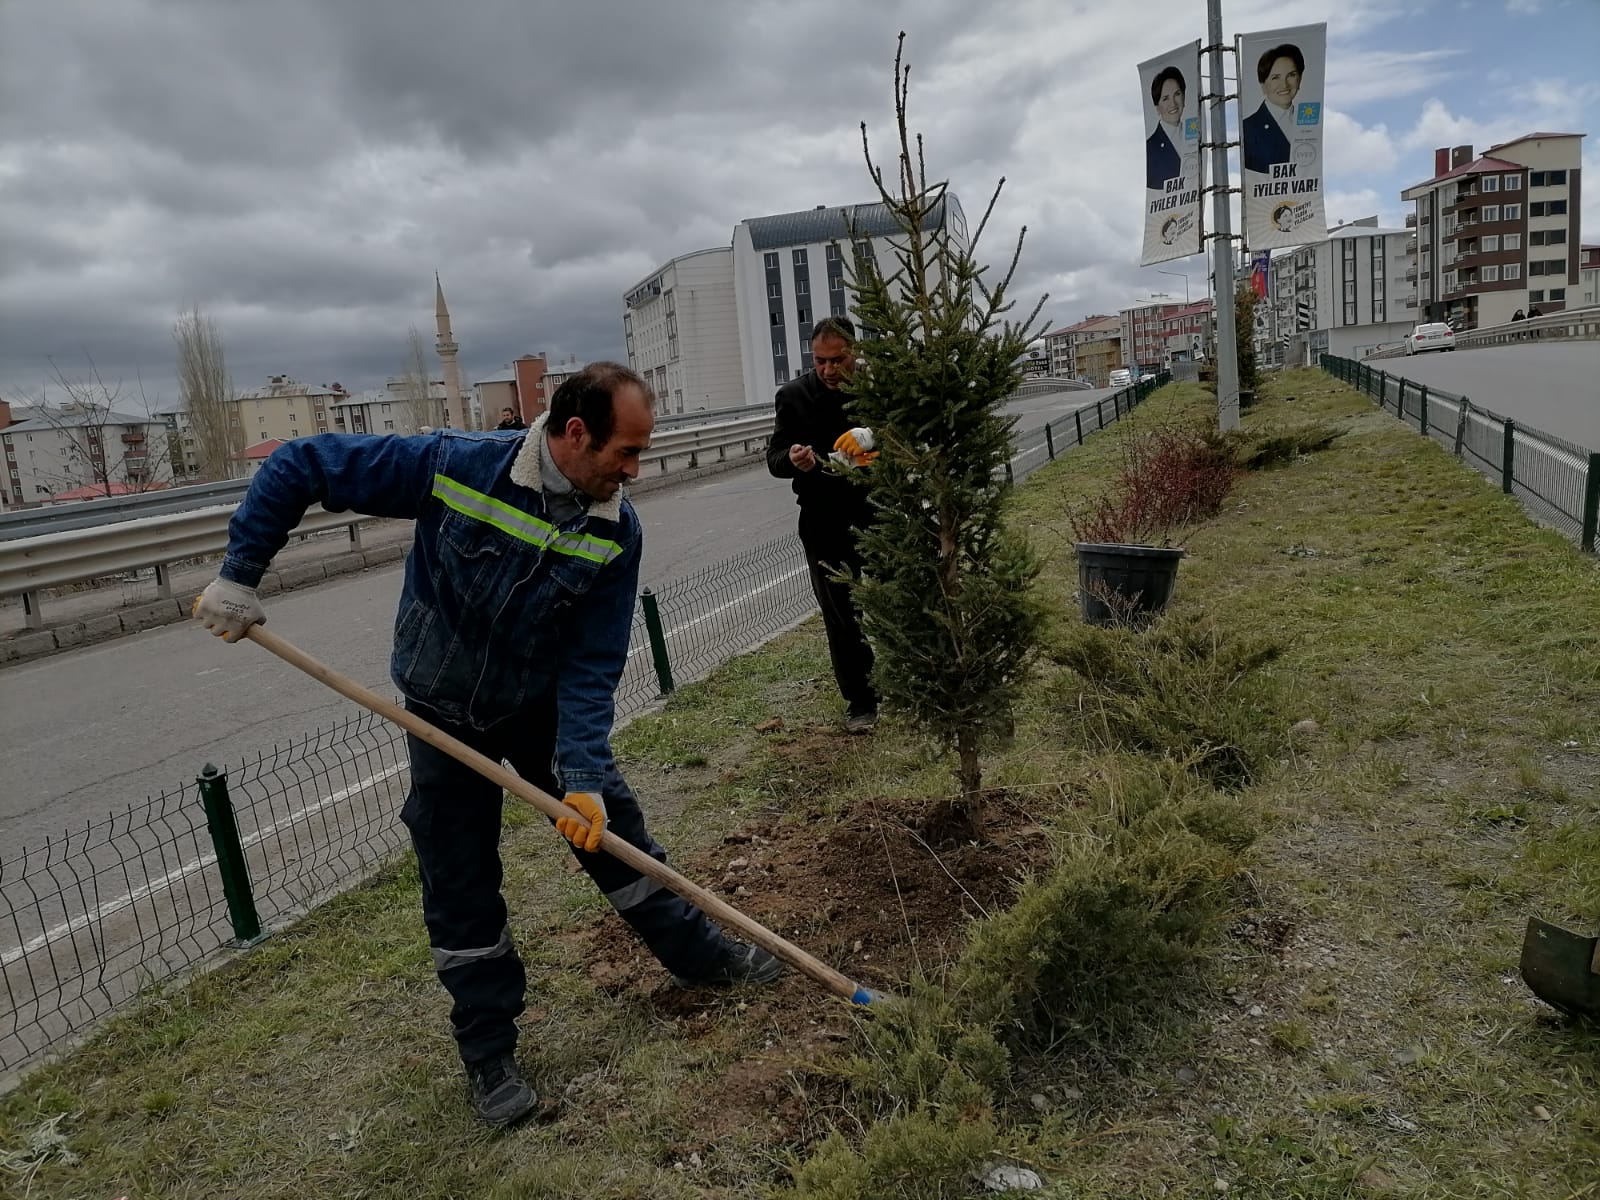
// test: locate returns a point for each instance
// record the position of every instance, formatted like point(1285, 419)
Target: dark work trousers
point(453, 814)
point(847, 645)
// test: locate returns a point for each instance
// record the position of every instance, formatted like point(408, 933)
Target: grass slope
point(1319, 1000)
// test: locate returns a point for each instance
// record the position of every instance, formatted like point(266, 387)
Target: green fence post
point(1591, 503)
point(1461, 427)
point(1077, 419)
point(658, 640)
point(1049, 442)
point(1116, 409)
point(1423, 400)
point(224, 829)
point(1009, 477)
point(1507, 467)
point(1383, 389)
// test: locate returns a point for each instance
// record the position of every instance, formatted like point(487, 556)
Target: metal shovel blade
point(1562, 968)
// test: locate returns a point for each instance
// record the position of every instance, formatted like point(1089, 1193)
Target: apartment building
point(789, 271)
point(1500, 232)
point(1097, 359)
point(1061, 345)
point(1144, 332)
point(285, 408)
point(1589, 276)
point(389, 409)
point(74, 451)
point(680, 324)
point(1347, 295)
point(1189, 333)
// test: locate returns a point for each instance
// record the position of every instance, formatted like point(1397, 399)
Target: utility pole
point(1222, 231)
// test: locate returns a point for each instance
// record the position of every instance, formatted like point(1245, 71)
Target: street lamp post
point(1178, 275)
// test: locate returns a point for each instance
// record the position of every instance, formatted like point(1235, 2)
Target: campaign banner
point(1261, 273)
point(1281, 78)
point(1170, 84)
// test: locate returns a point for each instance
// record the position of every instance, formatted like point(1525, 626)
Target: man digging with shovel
point(511, 636)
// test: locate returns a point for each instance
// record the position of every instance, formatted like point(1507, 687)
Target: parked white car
point(1121, 378)
point(1435, 336)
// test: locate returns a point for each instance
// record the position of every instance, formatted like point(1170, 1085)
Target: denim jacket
point(499, 605)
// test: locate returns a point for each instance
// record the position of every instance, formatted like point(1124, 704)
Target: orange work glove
point(592, 808)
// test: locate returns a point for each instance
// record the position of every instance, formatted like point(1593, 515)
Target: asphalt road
point(95, 729)
point(1552, 386)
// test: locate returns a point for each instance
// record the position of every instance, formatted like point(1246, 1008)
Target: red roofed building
point(253, 456)
point(1499, 234)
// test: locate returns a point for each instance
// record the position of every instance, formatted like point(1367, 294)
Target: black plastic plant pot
point(1125, 585)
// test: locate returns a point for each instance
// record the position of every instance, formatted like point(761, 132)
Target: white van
point(1121, 378)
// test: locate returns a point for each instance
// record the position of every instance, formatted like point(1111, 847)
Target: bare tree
point(207, 392)
point(423, 407)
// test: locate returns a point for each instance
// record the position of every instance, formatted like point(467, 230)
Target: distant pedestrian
point(510, 420)
point(1517, 316)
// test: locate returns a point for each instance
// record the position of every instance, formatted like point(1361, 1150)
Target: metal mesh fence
point(1557, 482)
point(90, 919)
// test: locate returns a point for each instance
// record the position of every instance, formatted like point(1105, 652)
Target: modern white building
point(681, 327)
point(789, 272)
point(1347, 295)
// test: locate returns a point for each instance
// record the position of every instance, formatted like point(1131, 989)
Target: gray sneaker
point(861, 722)
point(500, 1095)
point(736, 963)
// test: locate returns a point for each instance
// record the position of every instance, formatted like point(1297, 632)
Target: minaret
point(455, 407)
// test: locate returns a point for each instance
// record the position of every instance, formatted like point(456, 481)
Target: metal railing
point(1557, 481)
point(1570, 324)
point(91, 919)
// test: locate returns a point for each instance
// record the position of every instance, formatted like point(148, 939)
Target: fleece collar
point(528, 470)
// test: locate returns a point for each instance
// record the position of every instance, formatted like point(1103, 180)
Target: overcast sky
point(300, 168)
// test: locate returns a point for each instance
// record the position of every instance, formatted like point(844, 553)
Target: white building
point(74, 452)
point(789, 272)
point(389, 410)
point(1347, 295)
point(681, 327)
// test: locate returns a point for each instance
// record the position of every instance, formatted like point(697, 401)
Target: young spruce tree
point(946, 596)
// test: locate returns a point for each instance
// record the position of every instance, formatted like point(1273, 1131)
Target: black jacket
point(812, 414)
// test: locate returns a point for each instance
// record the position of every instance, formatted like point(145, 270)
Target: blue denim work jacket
point(500, 605)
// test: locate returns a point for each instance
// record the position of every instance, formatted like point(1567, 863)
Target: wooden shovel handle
point(626, 852)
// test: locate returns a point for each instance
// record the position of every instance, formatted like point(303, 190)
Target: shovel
point(551, 807)
point(1562, 968)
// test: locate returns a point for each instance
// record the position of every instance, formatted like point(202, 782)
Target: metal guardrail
point(1570, 324)
point(31, 564)
point(1557, 481)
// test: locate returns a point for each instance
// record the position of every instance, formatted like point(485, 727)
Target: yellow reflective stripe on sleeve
point(524, 526)
point(471, 503)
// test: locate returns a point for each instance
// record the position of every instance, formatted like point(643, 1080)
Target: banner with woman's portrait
point(1170, 85)
point(1281, 77)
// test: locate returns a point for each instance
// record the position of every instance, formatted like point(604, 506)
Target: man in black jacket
point(810, 425)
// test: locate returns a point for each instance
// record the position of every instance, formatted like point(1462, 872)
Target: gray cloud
point(301, 168)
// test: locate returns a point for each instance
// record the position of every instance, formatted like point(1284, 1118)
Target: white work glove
point(227, 609)
point(855, 448)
